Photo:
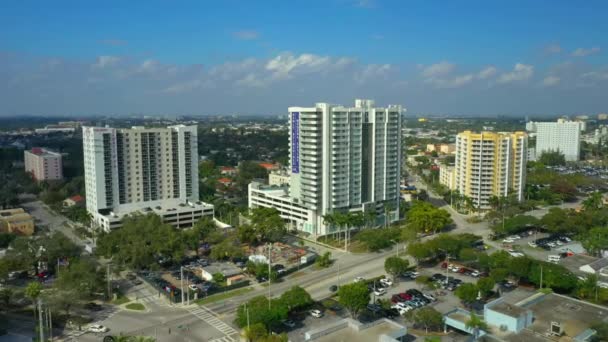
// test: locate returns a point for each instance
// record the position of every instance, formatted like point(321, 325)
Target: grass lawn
point(136, 306)
point(120, 300)
point(222, 296)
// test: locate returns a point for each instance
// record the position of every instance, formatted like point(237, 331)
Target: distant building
point(279, 177)
point(269, 166)
point(602, 116)
point(44, 165)
point(532, 153)
point(228, 171)
point(56, 129)
point(225, 181)
point(145, 170)
point(342, 159)
point(447, 148)
point(563, 136)
point(447, 176)
point(16, 221)
point(490, 164)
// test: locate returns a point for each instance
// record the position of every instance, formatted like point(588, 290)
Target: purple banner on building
point(295, 142)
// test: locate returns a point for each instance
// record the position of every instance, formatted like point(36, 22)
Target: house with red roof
point(269, 166)
point(228, 171)
point(72, 201)
point(225, 181)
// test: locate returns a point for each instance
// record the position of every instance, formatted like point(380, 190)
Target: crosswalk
point(210, 318)
point(154, 300)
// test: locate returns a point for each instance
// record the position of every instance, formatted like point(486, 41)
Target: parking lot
point(541, 245)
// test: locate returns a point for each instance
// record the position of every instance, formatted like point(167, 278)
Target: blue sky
point(258, 57)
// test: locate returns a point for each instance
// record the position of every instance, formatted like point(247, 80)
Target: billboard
point(295, 142)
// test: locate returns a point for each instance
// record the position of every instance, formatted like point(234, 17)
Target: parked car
point(386, 281)
point(375, 308)
point(359, 279)
point(333, 288)
point(379, 291)
point(98, 328)
point(316, 313)
point(288, 323)
point(430, 297)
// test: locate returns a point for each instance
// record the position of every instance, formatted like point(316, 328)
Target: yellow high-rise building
point(490, 164)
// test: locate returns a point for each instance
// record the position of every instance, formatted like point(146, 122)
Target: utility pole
point(541, 276)
point(247, 312)
point(109, 281)
point(48, 311)
point(181, 279)
point(269, 249)
point(40, 320)
point(188, 290)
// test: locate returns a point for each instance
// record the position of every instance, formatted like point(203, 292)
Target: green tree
point(5, 296)
point(425, 218)
point(556, 220)
point(554, 276)
point(226, 249)
point(485, 286)
point(354, 297)
point(218, 278)
point(296, 298)
point(395, 266)
point(324, 260)
point(595, 240)
point(476, 324)
point(261, 312)
point(267, 224)
point(255, 332)
point(594, 201)
point(552, 158)
point(588, 288)
point(467, 293)
point(428, 318)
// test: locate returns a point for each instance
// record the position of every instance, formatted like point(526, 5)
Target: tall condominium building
point(490, 164)
point(342, 159)
point(563, 136)
point(44, 165)
point(146, 170)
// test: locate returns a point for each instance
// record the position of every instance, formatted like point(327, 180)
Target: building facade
point(43, 165)
point(343, 159)
point(563, 136)
point(447, 176)
point(141, 170)
point(490, 164)
point(16, 221)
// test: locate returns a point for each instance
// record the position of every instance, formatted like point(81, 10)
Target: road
point(55, 222)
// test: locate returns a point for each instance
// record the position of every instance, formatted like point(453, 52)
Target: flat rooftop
point(508, 309)
point(160, 207)
point(575, 316)
point(351, 335)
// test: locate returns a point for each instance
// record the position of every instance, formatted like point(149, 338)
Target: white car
point(193, 287)
point(98, 328)
point(358, 279)
point(508, 241)
point(379, 291)
point(386, 281)
point(475, 274)
point(404, 309)
point(316, 313)
point(516, 254)
point(514, 237)
point(532, 244)
point(429, 297)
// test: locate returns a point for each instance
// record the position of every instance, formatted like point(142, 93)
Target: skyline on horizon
point(116, 59)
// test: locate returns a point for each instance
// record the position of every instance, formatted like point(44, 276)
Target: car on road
point(316, 313)
point(508, 241)
point(379, 291)
point(359, 279)
point(98, 328)
point(515, 254)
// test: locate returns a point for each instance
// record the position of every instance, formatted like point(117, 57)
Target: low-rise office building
point(16, 221)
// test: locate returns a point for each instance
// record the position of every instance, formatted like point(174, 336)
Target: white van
point(554, 258)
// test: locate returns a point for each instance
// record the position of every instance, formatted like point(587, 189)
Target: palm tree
point(370, 218)
point(32, 291)
point(388, 206)
point(329, 220)
point(476, 324)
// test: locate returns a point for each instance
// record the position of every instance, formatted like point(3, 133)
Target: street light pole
point(181, 279)
point(269, 249)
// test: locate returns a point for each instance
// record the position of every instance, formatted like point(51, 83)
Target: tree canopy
point(354, 297)
point(423, 217)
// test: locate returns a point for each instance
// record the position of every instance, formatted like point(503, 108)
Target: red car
point(397, 299)
point(405, 296)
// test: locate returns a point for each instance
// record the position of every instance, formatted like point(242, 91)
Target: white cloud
point(283, 66)
point(521, 72)
point(106, 61)
point(372, 71)
point(596, 75)
point(454, 82)
point(246, 35)
point(551, 81)
point(486, 73)
point(438, 69)
point(149, 66)
point(582, 52)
